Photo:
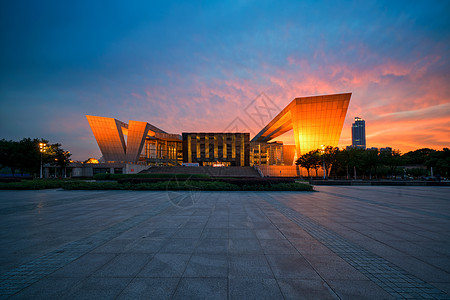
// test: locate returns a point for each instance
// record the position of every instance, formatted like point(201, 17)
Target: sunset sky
point(212, 65)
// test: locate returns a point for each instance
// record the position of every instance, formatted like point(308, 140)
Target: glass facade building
point(135, 141)
point(316, 121)
point(359, 133)
point(266, 153)
point(224, 149)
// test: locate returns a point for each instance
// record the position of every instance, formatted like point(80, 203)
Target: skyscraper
point(359, 133)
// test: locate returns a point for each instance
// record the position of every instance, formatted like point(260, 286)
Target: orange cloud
point(406, 105)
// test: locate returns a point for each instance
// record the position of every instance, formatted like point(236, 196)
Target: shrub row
point(38, 184)
point(35, 184)
point(107, 176)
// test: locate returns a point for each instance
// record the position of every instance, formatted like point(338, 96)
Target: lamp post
point(42, 148)
point(323, 160)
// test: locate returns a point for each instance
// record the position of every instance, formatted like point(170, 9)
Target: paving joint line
point(328, 287)
point(13, 281)
point(43, 204)
point(369, 264)
point(394, 206)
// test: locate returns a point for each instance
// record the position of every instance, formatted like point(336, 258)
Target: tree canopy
point(25, 155)
point(357, 162)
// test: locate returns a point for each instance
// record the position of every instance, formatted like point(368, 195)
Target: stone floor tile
point(269, 234)
point(48, 288)
point(202, 288)
point(212, 246)
point(249, 266)
point(177, 245)
point(277, 247)
point(305, 289)
point(85, 265)
point(165, 265)
point(124, 265)
point(241, 246)
point(207, 265)
point(291, 266)
point(258, 289)
point(98, 288)
point(215, 233)
point(358, 289)
point(150, 288)
point(241, 234)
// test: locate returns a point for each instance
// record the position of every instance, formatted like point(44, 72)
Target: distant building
point(359, 133)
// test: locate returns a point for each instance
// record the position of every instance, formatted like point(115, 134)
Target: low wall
point(279, 171)
point(134, 169)
point(288, 171)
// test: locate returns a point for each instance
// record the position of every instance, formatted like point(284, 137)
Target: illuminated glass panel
point(224, 138)
point(233, 146)
point(216, 148)
point(242, 150)
point(189, 153)
point(198, 146)
point(206, 146)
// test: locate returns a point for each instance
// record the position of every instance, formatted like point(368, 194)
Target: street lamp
point(42, 149)
point(323, 160)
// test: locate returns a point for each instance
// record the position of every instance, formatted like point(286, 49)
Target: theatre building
point(314, 121)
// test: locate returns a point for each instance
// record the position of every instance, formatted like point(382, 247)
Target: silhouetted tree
point(25, 155)
point(310, 160)
point(330, 155)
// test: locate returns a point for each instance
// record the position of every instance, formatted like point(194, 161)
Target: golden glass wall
point(318, 121)
point(159, 144)
point(109, 134)
point(315, 121)
point(137, 132)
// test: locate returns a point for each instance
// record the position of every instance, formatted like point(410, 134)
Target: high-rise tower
point(359, 133)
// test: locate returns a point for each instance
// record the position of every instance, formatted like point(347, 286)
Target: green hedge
point(38, 184)
point(107, 176)
point(35, 184)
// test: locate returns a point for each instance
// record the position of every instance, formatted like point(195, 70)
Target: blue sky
point(195, 66)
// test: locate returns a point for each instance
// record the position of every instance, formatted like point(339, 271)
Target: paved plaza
point(336, 243)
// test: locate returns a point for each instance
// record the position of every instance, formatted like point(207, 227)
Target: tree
point(439, 161)
point(417, 157)
point(25, 155)
point(356, 160)
point(28, 155)
point(329, 158)
point(316, 160)
point(8, 154)
point(310, 160)
point(341, 164)
point(391, 159)
point(61, 157)
point(371, 161)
